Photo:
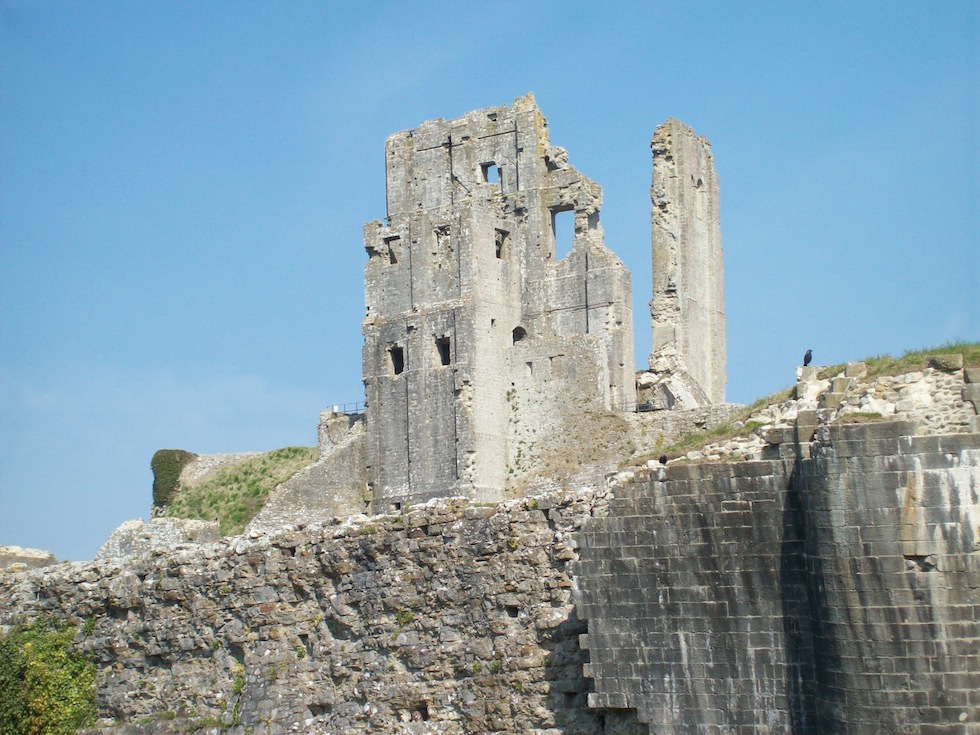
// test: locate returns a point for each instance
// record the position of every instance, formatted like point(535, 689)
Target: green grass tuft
point(919, 359)
point(233, 495)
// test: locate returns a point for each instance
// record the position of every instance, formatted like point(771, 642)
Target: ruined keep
point(818, 572)
point(688, 305)
point(470, 311)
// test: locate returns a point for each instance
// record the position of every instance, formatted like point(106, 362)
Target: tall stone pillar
point(688, 305)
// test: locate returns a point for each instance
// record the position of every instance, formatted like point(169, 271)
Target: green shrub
point(166, 465)
point(45, 689)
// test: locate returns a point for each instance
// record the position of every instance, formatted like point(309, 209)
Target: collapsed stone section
point(688, 304)
point(469, 305)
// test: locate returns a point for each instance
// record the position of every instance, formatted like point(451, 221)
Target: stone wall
point(335, 485)
point(469, 299)
point(687, 309)
point(138, 538)
point(19, 558)
point(836, 594)
point(451, 618)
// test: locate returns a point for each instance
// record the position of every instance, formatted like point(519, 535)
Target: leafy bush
point(45, 689)
point(234, 494)
point(167, 465)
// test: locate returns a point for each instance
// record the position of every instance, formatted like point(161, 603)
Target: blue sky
point(183, 187)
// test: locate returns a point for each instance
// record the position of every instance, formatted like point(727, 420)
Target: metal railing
point(349, 408)
point(633, 407)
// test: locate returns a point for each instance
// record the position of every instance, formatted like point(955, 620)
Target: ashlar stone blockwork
point(468, 304)
point(688, 305)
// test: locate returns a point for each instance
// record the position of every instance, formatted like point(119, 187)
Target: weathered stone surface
point(483, 346)
point(836, 593)
point(445, 619)
point(335, 485)
point(18, 558)
point(688, 304)
point(833, 594)
point(947, 363)
point(138, 538)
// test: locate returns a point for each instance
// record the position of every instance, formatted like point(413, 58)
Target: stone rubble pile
point(943, 398)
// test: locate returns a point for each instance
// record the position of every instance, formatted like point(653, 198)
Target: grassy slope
point(233, 495)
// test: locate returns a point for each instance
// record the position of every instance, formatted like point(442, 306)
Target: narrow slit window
point(501, 238)
point(396, 355)
point(443, 351)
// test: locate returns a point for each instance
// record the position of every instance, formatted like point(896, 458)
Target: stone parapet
point(450, 618)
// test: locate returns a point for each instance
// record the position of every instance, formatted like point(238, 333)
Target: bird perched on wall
point(663, 459)
point(807, 357)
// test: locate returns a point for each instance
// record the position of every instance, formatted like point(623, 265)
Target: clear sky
point(183, 187)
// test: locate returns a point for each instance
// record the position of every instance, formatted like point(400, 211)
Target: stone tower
point(688, 305)
point(470, 312)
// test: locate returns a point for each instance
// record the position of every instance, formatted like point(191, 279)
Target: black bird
point(663, 459)
point(807, 357)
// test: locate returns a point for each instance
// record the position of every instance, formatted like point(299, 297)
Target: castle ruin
point(469, 306)
point(687, 310)
point(818, 574)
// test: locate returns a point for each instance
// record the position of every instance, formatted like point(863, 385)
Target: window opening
point(519, 334)
point(500, 242)
point(392, 245)
point(396, 353)
point(563, 229)
point(442, 350)
point(491, 173)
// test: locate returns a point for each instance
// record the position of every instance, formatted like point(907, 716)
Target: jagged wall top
point(688, 305)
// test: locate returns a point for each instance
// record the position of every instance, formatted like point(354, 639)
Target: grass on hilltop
point(911, 361)
point(877, 367)
point(233, 495)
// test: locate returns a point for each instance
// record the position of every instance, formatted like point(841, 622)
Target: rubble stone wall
point(451, 618)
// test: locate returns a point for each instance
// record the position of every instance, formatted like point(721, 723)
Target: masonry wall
point(448, 619)
point(893, 552)
point(838, 594)
point(462, 280)
point(688, 305)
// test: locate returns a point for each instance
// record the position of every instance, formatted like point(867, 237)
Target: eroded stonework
point(688, 305)
point(470, 310)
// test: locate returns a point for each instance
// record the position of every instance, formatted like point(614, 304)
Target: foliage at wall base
point(45, 688)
